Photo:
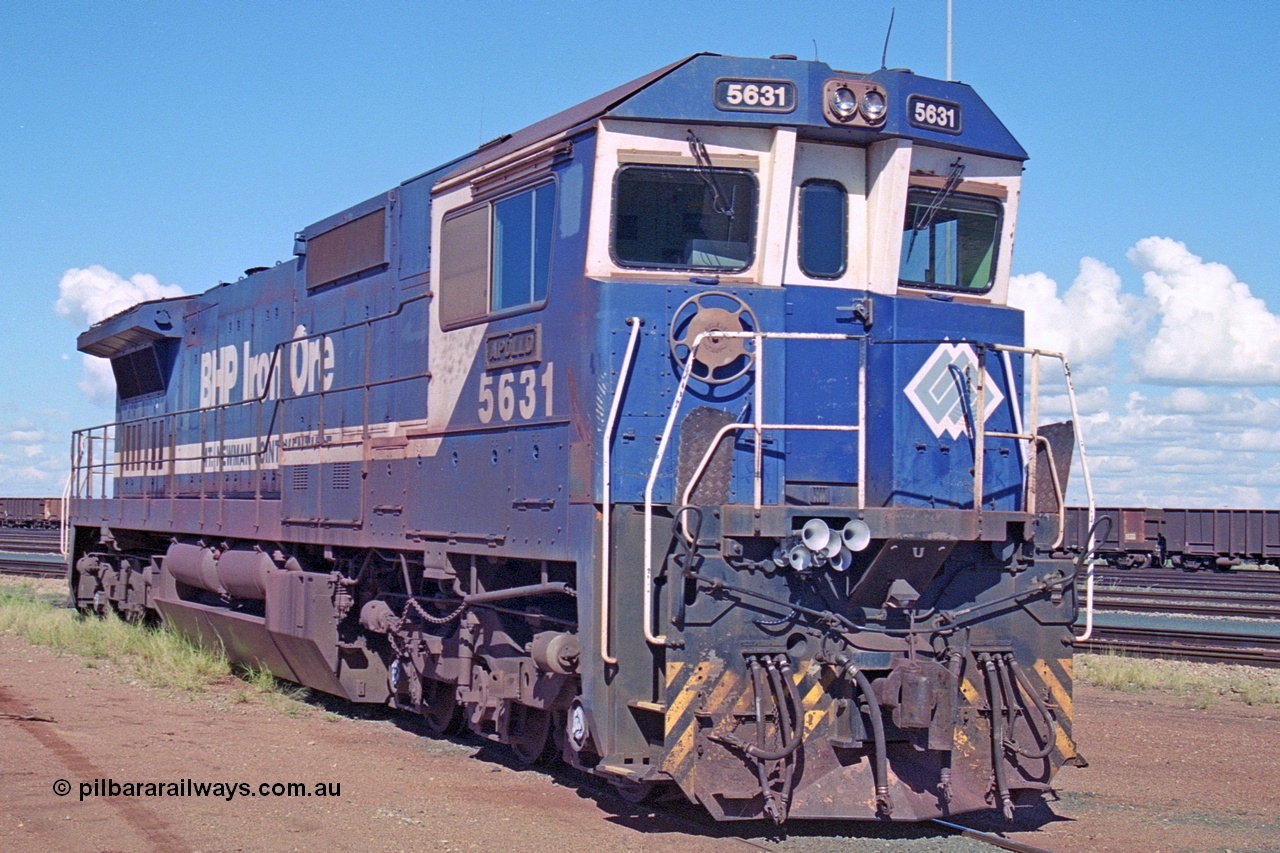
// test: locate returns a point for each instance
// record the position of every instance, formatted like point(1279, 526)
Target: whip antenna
point(885, 53)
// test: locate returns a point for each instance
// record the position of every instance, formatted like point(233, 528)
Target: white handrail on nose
point(606, 473)
point(757, 426)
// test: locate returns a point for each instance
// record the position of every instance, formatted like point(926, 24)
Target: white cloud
point(1192, 401)
point(1186, 457)
point(1256, 440)
point(1211, 328)
point(1187, 447)
point(96, 293)
point(1089, 401)
point(93, 294)
point(1037, 295)
point(1086, 322)
point(1194, 327)
point(32, 460)
point(98, 382)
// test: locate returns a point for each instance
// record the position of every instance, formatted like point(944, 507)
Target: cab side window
point(495, 257)
point(522, 247)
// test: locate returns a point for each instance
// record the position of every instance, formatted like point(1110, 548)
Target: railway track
point(1208, 625)
point(1184, 644)
point(1239, 581)
point(30, 553)
point(989, 838)
point(31, 565)
point(1183, 601)
point(21, 540)
point(1216, 617)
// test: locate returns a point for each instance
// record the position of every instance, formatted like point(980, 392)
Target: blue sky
point(177, 144)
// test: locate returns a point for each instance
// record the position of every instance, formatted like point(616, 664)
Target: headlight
point(844, 103)
point(848, 102)
point(873, 105)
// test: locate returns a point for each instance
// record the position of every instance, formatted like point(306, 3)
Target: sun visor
point(135, 327)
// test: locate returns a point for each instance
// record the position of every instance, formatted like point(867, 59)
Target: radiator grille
point(342, 475)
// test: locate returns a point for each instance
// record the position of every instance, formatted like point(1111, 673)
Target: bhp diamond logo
point(936, 387)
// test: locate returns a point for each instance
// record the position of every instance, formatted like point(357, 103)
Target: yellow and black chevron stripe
point(717, 689)
point(1056, 673)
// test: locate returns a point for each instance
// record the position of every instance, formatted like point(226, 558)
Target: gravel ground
point(1164, 776)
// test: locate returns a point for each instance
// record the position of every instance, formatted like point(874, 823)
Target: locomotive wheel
point(532, 742)
point(442, 714)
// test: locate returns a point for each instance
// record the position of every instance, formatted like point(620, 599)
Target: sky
point(153, 148)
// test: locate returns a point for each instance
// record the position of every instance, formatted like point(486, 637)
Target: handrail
point(219, 411)
point(1015, 405)
point(64, 538)
point(1036, 355)
point(606, 545)
point(1088, 487)
point(758, 426)
point(275, 361)
point(1032, 437)
point(728, 428)
point(1036, 438)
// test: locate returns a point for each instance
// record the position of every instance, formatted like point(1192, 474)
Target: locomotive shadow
point(1027, 818)
point(670, 812)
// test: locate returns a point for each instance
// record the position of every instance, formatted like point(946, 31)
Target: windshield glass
point(949, 241)
point(671, 217)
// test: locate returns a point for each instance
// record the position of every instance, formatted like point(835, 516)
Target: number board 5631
point(755, 96)
point(933, 114)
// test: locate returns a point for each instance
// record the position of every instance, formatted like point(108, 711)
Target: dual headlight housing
point(855, 103)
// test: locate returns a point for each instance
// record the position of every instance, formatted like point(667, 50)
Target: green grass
point(167, 660)
point(1205, 683)
point(152, 654)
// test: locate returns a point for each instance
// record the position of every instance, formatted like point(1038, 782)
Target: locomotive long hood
point(138, 326)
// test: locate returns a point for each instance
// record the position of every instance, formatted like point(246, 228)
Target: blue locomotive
point(680, 435)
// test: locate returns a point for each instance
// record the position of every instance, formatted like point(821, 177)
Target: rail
point(64, 529)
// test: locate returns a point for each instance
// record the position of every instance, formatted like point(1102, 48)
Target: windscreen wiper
point(702, 161)
point(924, 216)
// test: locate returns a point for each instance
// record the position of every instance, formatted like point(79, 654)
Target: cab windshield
point(671, 217)
point(949, 242)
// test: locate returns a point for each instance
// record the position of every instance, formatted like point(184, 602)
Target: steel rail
point(990, 838)
point(1189, 602)
point(29, 541)
point(1240, 582)
point(1180, 644)
point(10, 565)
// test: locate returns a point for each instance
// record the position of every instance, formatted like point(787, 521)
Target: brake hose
point(997, 735)
point(881, 768)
